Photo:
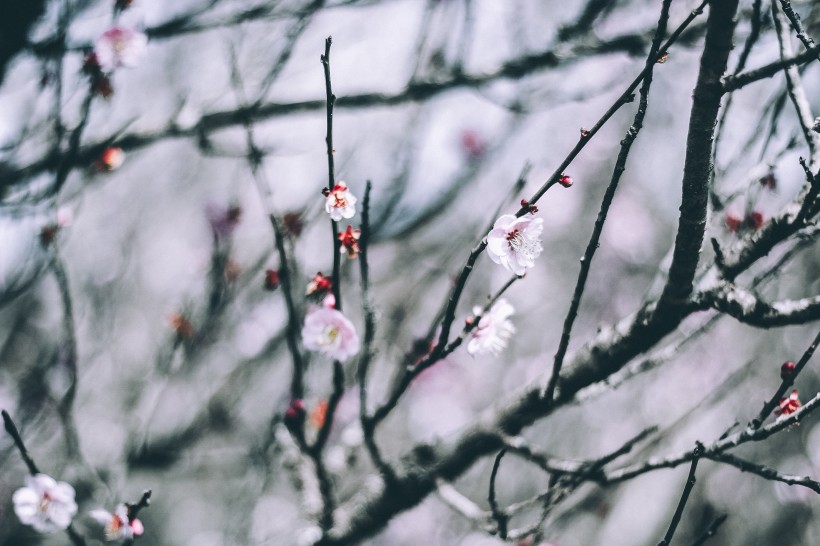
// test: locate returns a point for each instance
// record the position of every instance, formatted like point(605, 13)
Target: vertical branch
point(620, 167)
point(690, 483)
point(698, 167)
point(368, 430)
point(66, 405)
point(331, 171)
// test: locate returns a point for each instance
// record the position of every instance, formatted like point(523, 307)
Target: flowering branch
point(788, 381)
point(690, 483)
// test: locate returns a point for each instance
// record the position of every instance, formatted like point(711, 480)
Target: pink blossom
point(493, 330)
point(339, 202)
point(329, 332)
point(120, 46)
point(45, 504)
point(118, 526)
point(515, 243)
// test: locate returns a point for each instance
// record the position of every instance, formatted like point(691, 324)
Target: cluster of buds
point(100, 82)
point(532, 209)
point(295, 413)
point(753, 221)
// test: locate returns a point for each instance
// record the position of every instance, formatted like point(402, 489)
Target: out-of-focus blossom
point(293, 224)
point(329, 332)
point(515, 243)
point(733, 222)
point(769, 181)
point(788, 405)
point(318, 414)
point(120, 47)
point(223, 220)
point(339, 202)
point(271, 279)
point(45, 504)
point(493, 330)
point(181, 325)
point(118, 525)
point(319, 285)
point(473, 144)
point(756, 219)
point(350, 242)
point(111, 159)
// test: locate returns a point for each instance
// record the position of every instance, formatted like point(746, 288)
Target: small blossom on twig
point(45, 504)
point(271, 279)
point(584, 133)
point(786, 369)
point(515, 243)
point(120, 47)
point(110, 159)
point(788, 405)
point(350, 242)
point(329, 332)
point(493, 330)
point(319, 285)
point(566, 180)
point(339, 202)
point(118, 525)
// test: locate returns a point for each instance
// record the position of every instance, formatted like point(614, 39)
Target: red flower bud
point(787, 369)
point(756, 219)
point(733, 222)
point(271, 279)
point(565, 180)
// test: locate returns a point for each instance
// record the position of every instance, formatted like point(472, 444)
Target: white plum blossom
point(117, 525)
point(329, 332)
point(120, 46)
point(339, 202)
point(45, 504)
point(515, 243)
point(493, 330)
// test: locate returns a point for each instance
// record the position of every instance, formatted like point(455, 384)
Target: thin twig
point(690, 483)
point(331, 173)
point(498, 514)
point(711, 531)
point(11, 428)
point(609, 195)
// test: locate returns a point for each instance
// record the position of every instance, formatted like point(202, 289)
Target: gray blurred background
point(197, 418)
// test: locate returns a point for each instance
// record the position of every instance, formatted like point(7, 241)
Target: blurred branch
point(735, 82)
point(498, 514)
point(794, 19)
point(765, 472)
point(711, 531)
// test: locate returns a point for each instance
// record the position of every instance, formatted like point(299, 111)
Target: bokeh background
point(196, 417)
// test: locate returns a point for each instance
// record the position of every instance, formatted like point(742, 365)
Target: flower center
point(519, 243)
point(340, 200)
point(45, 501)
point(330, 337)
